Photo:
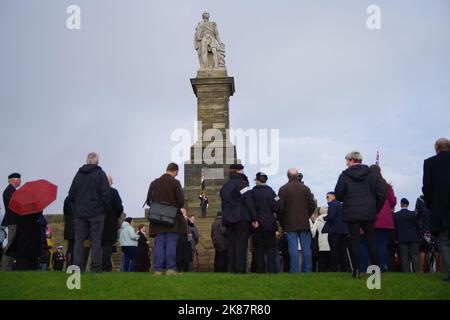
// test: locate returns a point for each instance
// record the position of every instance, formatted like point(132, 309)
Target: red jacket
point(385, 218)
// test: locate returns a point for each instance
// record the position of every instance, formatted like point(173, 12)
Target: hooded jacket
point(127, 236)
point(361, 192)
point(89, 192)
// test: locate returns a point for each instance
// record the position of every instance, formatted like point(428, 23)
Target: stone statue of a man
point(211, 51)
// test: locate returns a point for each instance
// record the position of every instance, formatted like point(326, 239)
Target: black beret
point(14, 175)
point(236, 166)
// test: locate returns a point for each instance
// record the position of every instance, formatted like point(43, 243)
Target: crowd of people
point(360, 227)
point(287, 231)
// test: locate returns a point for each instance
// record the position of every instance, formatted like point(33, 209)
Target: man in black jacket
point(407, 235)
point(436, 191)
point(89, 194)
point(264, 237)
point(237, 213)
point(10, 220)
point(362, 195)
point(114, 209)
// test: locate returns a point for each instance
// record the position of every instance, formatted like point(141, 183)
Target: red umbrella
point(33, 197)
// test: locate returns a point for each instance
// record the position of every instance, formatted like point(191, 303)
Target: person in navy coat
point(337, 235)
point(407, 234)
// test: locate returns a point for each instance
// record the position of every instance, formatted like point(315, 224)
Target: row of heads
point(442, 144)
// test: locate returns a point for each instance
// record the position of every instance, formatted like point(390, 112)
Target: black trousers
point(237, 242)
point(69, 253)
point(324, 264)
point(264, 245)
point(369, 233)
point(339, 258)
point(221, 261)
point(26, 264)
point(106, 255)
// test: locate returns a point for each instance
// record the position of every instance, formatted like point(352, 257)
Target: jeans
point(122, 263)
point(443, 242)
point(43, 266)
point(305, 243)
point(94, 228)
point(130, 258)
point(382, 236)
point(165, 251)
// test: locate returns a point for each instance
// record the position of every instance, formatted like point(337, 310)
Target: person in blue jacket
point(337, 235)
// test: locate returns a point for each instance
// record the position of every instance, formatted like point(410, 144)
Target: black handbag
point(162, 213)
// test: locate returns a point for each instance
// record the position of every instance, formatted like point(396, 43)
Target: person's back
point(127, 236)
point(232, 194)
point(113, 211)
point(266, 206)
point(167, 190)
point(361, 195)
point(218, 234)
point(237, 212)
point(384, 217)
point(437, 190)
point(335, 216)
point(406, 226)
point(297, 204)
point(89, 195)
point(89, 192)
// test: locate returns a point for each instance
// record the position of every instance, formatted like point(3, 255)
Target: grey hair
point(354, 155)
point(92, 158)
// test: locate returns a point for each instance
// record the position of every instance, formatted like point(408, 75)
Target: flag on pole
point(377, 159)
point(202, 185)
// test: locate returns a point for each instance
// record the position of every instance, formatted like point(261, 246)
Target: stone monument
point(213, 152)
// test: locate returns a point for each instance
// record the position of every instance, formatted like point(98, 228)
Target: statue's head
point(205, 15)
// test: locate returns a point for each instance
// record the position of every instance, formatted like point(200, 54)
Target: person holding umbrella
point(28, 203)
point(10, 220)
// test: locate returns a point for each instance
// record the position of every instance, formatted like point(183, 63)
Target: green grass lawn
point(209, 286)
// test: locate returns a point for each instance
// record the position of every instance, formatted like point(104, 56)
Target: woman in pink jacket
point(384, 225)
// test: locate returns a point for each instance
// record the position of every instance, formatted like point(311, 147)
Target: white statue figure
point(211, 51)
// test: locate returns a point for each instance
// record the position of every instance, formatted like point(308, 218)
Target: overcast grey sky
point(120, 86)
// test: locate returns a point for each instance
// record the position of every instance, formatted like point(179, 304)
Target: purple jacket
point(385, 218)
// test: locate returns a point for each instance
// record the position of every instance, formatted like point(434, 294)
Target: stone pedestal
point(213, 89)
